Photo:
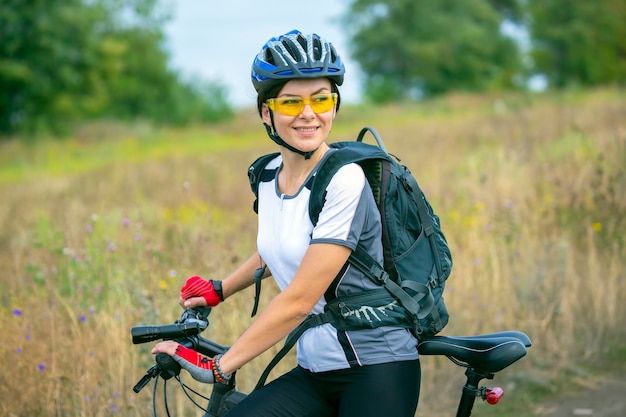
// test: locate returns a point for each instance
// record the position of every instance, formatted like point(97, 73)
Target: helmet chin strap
point(271, 132)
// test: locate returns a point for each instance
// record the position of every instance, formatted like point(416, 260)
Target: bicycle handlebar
point(191, 323)
point(482, 355)
point(144, 334)
point(185, 331)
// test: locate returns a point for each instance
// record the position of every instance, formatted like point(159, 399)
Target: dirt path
point(603, 397)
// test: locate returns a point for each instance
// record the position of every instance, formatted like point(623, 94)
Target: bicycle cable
point(167, 408)
point(185, 389)
point(154, 391)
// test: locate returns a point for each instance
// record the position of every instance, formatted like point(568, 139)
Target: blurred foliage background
point(64, 63)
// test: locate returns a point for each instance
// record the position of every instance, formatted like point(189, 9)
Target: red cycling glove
point(193, 357)
point(200, 368)
point(198, 287)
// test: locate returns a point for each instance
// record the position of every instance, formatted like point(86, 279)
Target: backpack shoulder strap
point(257, 173)
point(344, 153)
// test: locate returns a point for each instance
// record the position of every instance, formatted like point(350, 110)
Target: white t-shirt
point(349, 217)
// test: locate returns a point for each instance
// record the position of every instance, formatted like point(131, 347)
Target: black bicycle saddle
point(488, 352)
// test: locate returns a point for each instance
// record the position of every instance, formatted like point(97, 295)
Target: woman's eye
point(291, 101)
point(320, 98)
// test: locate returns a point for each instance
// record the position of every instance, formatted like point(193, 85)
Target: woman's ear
point(265, 115)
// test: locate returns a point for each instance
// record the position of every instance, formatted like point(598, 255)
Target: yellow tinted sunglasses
point(294, 105)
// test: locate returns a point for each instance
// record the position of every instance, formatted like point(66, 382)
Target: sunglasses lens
point(289, 106)
point(294, 105)
point(321, 103)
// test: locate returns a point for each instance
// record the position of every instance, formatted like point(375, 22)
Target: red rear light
point(493, 395)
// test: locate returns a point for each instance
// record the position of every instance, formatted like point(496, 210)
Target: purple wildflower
point(82, 318)
point(17, 312)
point(41, 367)
point(125, 222)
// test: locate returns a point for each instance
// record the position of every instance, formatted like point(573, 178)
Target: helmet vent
point(333, 54)
point(317, 49)
point(269, 57)
point(292, 50)
point(302, 41)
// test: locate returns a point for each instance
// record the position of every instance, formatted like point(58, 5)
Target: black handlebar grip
point(144, 334)
point(168, 366)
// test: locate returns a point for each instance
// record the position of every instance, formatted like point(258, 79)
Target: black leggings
point(389, 389)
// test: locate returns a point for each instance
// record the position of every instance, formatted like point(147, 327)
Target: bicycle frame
point(482, 356)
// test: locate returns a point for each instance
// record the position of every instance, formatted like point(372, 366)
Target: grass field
point(100, 230)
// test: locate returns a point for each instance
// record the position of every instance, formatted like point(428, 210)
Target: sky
point(218, 40)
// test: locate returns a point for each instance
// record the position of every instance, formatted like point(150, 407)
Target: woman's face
point(307, 130)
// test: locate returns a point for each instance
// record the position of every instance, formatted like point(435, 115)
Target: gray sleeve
point(199, 374)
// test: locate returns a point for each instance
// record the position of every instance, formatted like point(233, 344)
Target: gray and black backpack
point(417, 259)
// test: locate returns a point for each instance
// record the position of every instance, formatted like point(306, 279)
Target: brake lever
point(151, 373)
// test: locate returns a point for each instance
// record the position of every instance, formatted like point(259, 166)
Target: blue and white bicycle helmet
point(295, 55)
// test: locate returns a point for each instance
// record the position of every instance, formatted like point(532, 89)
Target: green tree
point(72, 60)
point(415, 48)
point(579, 43)
point(145, 86)
point(47, 62)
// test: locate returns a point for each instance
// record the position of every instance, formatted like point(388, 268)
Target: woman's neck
point(296, 169)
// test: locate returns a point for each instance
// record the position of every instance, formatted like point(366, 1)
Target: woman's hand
point(198, 366)
point(167, 346)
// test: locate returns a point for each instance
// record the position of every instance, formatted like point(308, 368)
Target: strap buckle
point(381, 276)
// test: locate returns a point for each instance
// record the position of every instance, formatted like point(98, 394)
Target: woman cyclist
point(366, 372)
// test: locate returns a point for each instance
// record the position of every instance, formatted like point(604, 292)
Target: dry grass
point(97, 236)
